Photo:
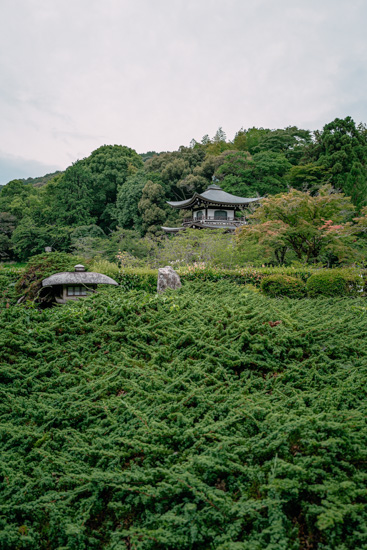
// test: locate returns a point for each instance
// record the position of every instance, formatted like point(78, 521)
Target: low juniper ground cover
point(210, 417)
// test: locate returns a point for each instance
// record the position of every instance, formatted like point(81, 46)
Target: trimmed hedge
point(138, 279)
point(283, 285)
point(243, 275)
point(289, 282)
point(335, 283)
point(146, 278)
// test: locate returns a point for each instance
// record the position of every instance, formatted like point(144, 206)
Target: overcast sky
point(153, 74)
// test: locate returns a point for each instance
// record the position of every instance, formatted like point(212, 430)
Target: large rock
point(167, 278)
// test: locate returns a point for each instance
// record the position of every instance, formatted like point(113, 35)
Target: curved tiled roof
point(78, 278)
point(214, 195)
point(173, 229)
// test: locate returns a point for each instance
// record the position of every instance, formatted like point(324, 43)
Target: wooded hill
point(117, 188)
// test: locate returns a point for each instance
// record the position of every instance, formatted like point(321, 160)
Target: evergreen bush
point(8, 278)
point(283, 285)
point(41, 266)
point(106, 268)
point(332, 282)
point(146, 278)
point(211, 417)
point(138, 279)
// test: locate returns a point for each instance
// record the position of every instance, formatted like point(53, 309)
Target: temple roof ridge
point(214, 186)
point(213, 195)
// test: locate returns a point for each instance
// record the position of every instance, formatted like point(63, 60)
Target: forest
point(114, 201)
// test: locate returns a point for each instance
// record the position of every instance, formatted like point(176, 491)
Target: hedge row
point(332, 283)
point(336, 283)
point(146, 279)
point(273, 281)
point(294, 283)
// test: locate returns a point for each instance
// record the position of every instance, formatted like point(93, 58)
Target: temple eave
point(172, 229)
point(207, 204)
point(213, 209)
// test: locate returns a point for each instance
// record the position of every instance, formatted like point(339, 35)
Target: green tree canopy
point(29, 238)
point(308, 177)
point(341, 147)
point(16, 197)
point(109, 167)
point(290, 141)
point(153, 208)
point(310, 226)
point(72, 197)
point(7, 226)
point(128, 197)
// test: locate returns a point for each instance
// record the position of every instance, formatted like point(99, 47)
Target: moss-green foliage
point(41, 266)
point(146, 278)
point(138, 279)
point(283, 285)
point(243, 275)
point(9, 275)
point(210, 417)
point(107, 268)
point(335, 283)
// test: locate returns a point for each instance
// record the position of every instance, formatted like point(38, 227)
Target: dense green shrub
point(128, 278)
point(243, 275)
point(9, 275)
point(283, 285)
point(41, 266)
point(138, 279)
point(146, 278)
point(107, 268)
point(332, 282)
point(211, 417)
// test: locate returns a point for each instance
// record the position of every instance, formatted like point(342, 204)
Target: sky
point(152, 75)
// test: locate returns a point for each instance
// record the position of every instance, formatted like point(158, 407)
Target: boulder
point(167, 278)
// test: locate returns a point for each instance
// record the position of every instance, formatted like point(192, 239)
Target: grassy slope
point(184, 421)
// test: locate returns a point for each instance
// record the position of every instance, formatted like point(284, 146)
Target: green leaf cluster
point(283, 285)
point(336, 283)
point(29, 285)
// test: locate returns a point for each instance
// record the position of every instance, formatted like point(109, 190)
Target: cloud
point(153, 75)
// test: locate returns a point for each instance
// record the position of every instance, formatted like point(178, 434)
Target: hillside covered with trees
point(114, 198)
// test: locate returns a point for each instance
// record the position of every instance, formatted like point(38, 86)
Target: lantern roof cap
point(78, 278)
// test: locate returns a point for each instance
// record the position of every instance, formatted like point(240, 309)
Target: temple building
point(212, 209)
point(72, 285)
